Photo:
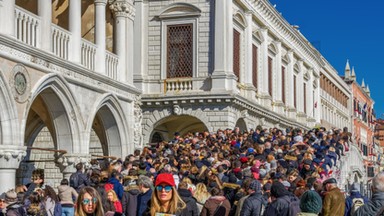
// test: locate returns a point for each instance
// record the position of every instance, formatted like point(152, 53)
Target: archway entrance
point(47, 129)
point(241, 125)
point(164, 129)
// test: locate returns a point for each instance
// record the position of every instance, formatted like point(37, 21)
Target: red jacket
point(118, 207)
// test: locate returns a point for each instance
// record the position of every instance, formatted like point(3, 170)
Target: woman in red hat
point(165, 199)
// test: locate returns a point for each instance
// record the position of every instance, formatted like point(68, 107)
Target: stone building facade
point(65, 89)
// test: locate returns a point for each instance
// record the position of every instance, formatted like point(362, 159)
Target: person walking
point(334, 200)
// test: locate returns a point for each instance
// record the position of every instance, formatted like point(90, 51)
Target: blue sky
point(343, 30)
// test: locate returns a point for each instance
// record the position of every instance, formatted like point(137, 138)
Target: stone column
point(248, 72)
point(130, 44)
point(67, 163)
point(223, 78)
point(7, 13)
point(290, 93)
point(140, 59)
point(10, 158)
point(100, 34)
point(75, 29)
point(45, 12)
point(277, 96)
point(264, 94)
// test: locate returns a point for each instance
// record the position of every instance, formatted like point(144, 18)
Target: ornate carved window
point(236, 53)
point(179, 50)
point(254, 65)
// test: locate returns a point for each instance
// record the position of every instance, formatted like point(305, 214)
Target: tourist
point(89, 203)
point(310, 204)
point(217, 204)
point(67, 194)
point(145, 185)
point(334, 200)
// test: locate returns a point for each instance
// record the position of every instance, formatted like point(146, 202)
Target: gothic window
point(179, 50)
point(236, 53)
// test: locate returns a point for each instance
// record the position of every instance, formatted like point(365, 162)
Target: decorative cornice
point(124, 8)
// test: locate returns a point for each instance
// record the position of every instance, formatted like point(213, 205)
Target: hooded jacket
point(66, 194)
point(129, 201)
point(187, 197)
point(375, 206)
point(213, 203)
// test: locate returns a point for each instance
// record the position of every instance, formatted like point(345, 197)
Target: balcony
point(178, 85)
point(28, 30)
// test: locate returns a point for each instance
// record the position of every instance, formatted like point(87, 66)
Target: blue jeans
point(67, 211)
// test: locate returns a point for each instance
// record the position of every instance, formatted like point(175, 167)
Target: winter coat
point(142, 201)
point(240, 205)
point(117, 187)
point(66, 194)
point(129, 201)
point(252, 206)
point(349, 199)
point(333, 203)
point(279, 207)
point(230, 190)
point(213, 203)
point(373, 206)
point(187, 197)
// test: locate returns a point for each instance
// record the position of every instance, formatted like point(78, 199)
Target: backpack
point(294, 205)
point(356, 203)
point(74, 180)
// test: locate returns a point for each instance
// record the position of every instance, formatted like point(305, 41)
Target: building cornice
point(225, 98)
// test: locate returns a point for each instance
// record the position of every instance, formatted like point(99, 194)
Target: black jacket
point(129, 201)
point(187, 197)
point(252, 206)
point(375, 206)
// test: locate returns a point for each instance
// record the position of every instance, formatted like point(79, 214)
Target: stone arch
point(183, 124)
point(107, 119)
point(60, 113)
point(179, 9)
point(241, 124)
point(9, 125)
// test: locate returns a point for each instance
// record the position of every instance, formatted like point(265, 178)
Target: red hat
point(165, 178)
point(243, 159)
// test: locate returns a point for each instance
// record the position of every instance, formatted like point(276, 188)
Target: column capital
point(68, 162)
point(124, 8)
point(101, 2)
point(11, 156)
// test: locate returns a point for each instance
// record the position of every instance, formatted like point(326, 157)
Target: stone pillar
point(223, 78)
point(45, 12)
point(250, 89)
point(130, 46)
point(10, 158)
point(265, 98)
point(277, 96)
point(100, 34)
point(290, 93)
point(75, 29)
point(7, 13)
point(140, 35)
point(67, 163)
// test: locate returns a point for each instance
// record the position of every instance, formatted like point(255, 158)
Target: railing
point(111, 62)
point(26, 26)
point(88, 54)
point(60, 41)
point(178, 84)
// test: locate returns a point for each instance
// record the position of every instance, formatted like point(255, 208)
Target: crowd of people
point(229, 172)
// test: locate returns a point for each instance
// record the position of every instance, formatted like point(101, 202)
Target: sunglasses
point(87, 201)
point(166, 188)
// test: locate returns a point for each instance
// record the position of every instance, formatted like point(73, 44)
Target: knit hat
point(311, 202)
point(255, 186)
point(165, 178)
point(355, 187)
point(11, 196)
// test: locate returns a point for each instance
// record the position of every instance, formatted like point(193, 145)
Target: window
point(254, 65)
point(305, 97)
point(283, 84)
point(236, 53)
point(180, 50)
point(294, 92)
point(270, 78)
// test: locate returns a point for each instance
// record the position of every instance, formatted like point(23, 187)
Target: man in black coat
point(187, 197)
point(253, 205)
